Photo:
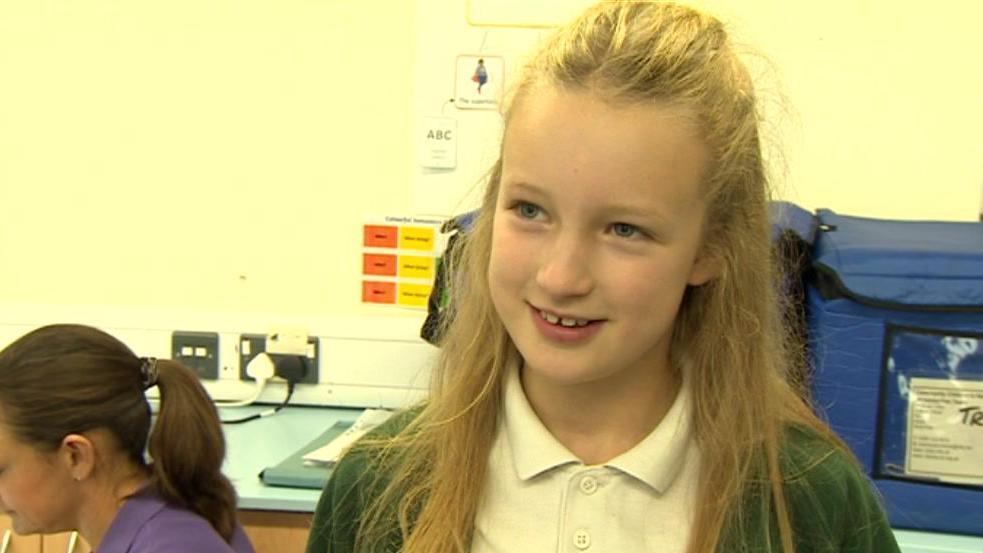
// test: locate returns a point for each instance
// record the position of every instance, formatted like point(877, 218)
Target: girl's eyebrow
point(613, 210)
point(633, 211)
point(522, 186)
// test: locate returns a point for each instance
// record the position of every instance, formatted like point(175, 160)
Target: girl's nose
point(565, 268)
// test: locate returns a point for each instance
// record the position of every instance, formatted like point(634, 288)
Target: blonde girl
point(613, 375)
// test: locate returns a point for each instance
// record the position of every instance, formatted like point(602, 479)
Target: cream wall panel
point(883, 102)
point(199, 153)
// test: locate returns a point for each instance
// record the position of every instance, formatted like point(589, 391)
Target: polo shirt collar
point(656, 460)
point(534, 449)
point(659, 458)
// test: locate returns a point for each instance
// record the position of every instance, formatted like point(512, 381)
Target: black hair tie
point(148, 372)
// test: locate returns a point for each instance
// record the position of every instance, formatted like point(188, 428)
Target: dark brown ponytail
point(64, 379)
point(187, 448)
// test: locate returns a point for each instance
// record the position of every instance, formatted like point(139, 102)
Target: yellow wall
point(222, 154)
point(884, 101)
point(217, 154)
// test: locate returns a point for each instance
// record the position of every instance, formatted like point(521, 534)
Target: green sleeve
point(337, 513)
point(835, 509)
point(355, 482)
point(869, 530)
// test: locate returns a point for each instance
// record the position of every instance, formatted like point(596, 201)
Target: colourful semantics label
point(394, 265)
point(415, 295)
point(417, 238)
point(399, 259)
point(378, 292)
point(380, 236)
point(405, 238)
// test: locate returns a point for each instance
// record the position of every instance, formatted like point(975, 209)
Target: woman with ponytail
point(78, 451)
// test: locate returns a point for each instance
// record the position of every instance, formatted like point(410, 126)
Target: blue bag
point(895, 317)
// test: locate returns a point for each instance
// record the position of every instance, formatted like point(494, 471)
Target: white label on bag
point(945, 430)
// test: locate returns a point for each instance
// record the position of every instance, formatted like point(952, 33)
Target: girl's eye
point(624, 230)
point(528, 210)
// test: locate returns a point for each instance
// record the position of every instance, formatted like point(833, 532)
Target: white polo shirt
point(539, 497)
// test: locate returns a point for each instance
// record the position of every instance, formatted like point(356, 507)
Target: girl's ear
point(78, 454)
point(705, 268)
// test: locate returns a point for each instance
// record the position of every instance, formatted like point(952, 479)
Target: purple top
point(148, 524)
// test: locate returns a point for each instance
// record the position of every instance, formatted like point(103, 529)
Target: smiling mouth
point(568, 322)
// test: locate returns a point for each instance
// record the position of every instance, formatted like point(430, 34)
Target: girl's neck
point(104, 503)
point(597, 421)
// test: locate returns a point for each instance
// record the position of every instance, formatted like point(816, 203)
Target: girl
point(74, 423)
point(613, 378)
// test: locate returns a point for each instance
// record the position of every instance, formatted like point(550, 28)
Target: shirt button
point(581, 539)
point(588, 485)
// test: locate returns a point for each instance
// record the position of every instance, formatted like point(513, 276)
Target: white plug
point(261, 367)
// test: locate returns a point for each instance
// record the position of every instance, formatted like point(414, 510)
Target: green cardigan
point(832, 505)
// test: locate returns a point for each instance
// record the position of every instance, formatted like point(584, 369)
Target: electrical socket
point(251, 345)
point(196, 350)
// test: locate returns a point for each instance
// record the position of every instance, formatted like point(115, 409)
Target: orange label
point(378, 292)
point(380, 236)
point(378, 264)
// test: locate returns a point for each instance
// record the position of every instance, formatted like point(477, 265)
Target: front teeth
point(553, 319)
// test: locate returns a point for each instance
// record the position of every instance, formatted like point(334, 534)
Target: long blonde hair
point(729, 332)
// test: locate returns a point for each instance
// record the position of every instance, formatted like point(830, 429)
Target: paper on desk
point(330, 453)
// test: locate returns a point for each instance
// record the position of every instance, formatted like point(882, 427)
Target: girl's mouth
point(562, 321)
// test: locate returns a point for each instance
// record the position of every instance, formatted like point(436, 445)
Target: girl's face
point(36, 488)
point(596, 236)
